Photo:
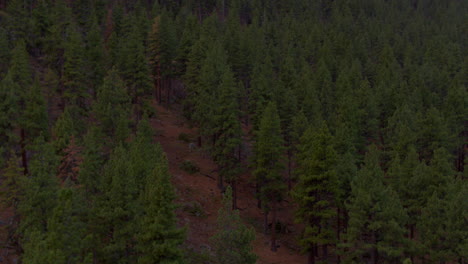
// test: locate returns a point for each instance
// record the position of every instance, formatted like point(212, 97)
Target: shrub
point(189, 167)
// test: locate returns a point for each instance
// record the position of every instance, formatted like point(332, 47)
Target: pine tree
point(117, 209)
point(64, 128)
point(233, 239)
point(112, 103)
point(11, 195)
point(143, 153)
point(93, 159)
point(228, 133)
point(316, 190)
point(262, 87)
point(75, 91)
point(376, 216)
point(208, 90)
point(40, 189)
point(35, 120)
point(442, 226)
point(134, 67)
point(158, 237)
point(4, 52)
point(9, 106)
point(95, 55)
point(268, 165)
point(161, 49)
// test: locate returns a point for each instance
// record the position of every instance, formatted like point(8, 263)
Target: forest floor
point(200, 199)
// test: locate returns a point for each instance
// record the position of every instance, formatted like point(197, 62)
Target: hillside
point(233, 131)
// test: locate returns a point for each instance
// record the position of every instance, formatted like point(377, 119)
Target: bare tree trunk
point(159, 85)
point(289, 169)
point(273, 227)
point(338, 232)
point(374, 256)
point(265, 222)
point(23, 151)
point(234, 194)
point(311, 257)
point(325, 252)
point(220, 182)
point(257, 192)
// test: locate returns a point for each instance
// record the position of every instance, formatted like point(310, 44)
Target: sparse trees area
point(355, 111)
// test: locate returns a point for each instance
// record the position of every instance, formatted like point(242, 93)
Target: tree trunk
point(338, 226)
point(374, 257)
point(168, 91)
point(265, 222)
point(289, 169)
point(199, 141)
point(325, 252)
point(159, 85)
point(257, 192)
point(273, 227)
point(234, 194)
point(220, 182)
point(311, 257)
point(24, 157)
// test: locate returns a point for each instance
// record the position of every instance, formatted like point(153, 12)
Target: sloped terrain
point(199, 197)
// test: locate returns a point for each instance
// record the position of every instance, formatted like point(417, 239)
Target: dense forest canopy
point(353, 111)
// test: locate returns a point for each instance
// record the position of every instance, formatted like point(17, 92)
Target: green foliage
point(64, 128)
point(9, 106)
point(376, 216)
point(74, 77)
point(184, 138)
point(233, 238)
point(35, 120)
point(443, 220)
point(159, 238)
point(268, 156)
point(189, 167)
point(227, 129)
point(317, 187)
point(39, 188)
point(90, 170)
point(12, 177)
point(112, 106)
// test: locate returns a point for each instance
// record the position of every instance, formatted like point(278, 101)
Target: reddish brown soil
point(200, 189)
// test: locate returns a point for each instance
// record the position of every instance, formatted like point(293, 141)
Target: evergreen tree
point(228, 133)
point(161, 48)
point(376, 216)
point(158, 237)
point(442, 225)
point(75, 91)
point(316, 190)
point(12, 192)
point(35, 120)
point(262, 87)
point(117, 209)
point(233, 239)
point(134, 66)
point(96, 60)
point(208, 90)
point(93, 159)
point(40, 189)
point(9, 106)
point(4, 52)
point(112, 104)
point(64, 128)
point(268, 165)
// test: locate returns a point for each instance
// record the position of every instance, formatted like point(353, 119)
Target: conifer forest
point(233, 131)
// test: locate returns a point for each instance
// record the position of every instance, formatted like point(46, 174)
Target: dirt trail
point(200, 198)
